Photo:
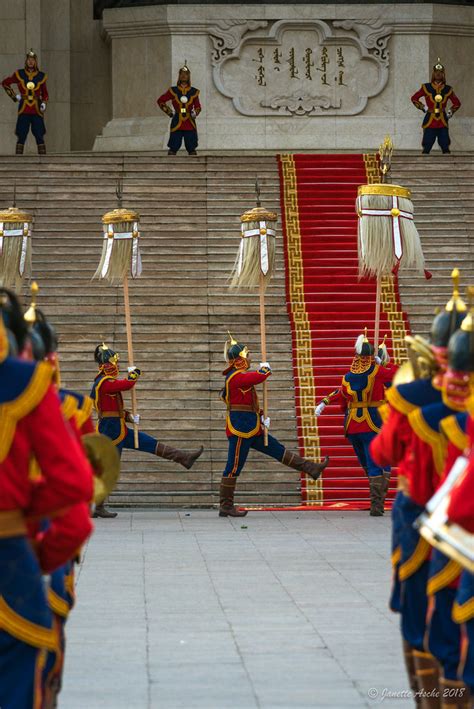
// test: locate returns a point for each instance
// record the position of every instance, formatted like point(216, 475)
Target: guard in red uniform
point(461, 512)
point(185, 107)
point(418, 401)
point(33, 429)
point(108, 400)
point(361, 394)
point(244, 426)
point(436, 94)
point(32, 98)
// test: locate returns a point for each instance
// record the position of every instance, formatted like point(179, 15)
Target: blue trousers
point(467, 663)
point(360, 443)
point(413, 598)
point(190, 138)
point(397, 521)
point(429, 139)
point(239, 450)
point(146, 443)
point(22, 655)
point(21, 678)
point(444, 635)
point(26, 121)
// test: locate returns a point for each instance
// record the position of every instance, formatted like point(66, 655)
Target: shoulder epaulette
point(34, 383)
point(454, 428)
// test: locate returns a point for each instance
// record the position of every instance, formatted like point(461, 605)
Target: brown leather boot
point(454, 694)
point(19, 149)
point(427, 677)
point(293, 460)
point(226, 501)
point(411, 673)
point(386, 484)
point(187, 460)
point(42, 149)
point(376, 485)
point(102, 511)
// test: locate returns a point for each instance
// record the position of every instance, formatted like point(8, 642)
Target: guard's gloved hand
point(265, 421)
point(319, 409)
point(133, 373)
point(18, 97)
point(42, 107)
point(135, 418)
point(265, 365)
point(383, 356)
point(377, 360)
point(193, 113)
point(449, 113)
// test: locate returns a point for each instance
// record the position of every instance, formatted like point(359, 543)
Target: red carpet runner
point(328, 308)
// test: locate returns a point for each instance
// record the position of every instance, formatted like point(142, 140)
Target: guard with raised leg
point(245, 426)
point(113, 418)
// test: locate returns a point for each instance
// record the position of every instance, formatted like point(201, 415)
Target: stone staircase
point(443, 195)
point(181, 306)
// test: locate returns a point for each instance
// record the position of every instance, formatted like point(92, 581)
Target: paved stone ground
point(182, 609)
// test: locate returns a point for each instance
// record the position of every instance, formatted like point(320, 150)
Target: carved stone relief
point(300, 68)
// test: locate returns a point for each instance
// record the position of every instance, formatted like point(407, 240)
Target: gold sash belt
point(242, 407)
point(365, 404)
point(12, 524)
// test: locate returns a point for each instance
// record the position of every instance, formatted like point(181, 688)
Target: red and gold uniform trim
point(419, 556)
point(454, 433)
point(443, 578)
point(57, 604)
point(25, 630)
point(231, 428)
point(363, 405)
point(463, 613)
point(302, 332)
point(436, 441)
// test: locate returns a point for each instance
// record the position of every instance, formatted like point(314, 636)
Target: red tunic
point(240, 392)
point(30, 100)
point(108, 394)
point(181, 121)
point(65, 485)
point(428, 92)
point(461, 506)
point(392, 444)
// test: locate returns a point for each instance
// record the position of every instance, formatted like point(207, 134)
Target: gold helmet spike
point(455, 302)
point(438, 66)
point(468, 323)
point(30, 315)
point(230, 342)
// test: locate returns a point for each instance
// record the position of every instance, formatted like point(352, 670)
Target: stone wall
point(76, 59)
point(272, 76)
point(287, 76)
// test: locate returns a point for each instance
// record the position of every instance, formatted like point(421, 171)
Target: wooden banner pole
point(128, 328)
point(263, 348)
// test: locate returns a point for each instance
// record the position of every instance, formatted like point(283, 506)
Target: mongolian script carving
point(300, 68)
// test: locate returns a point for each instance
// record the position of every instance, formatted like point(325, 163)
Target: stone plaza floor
point(182, 609)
